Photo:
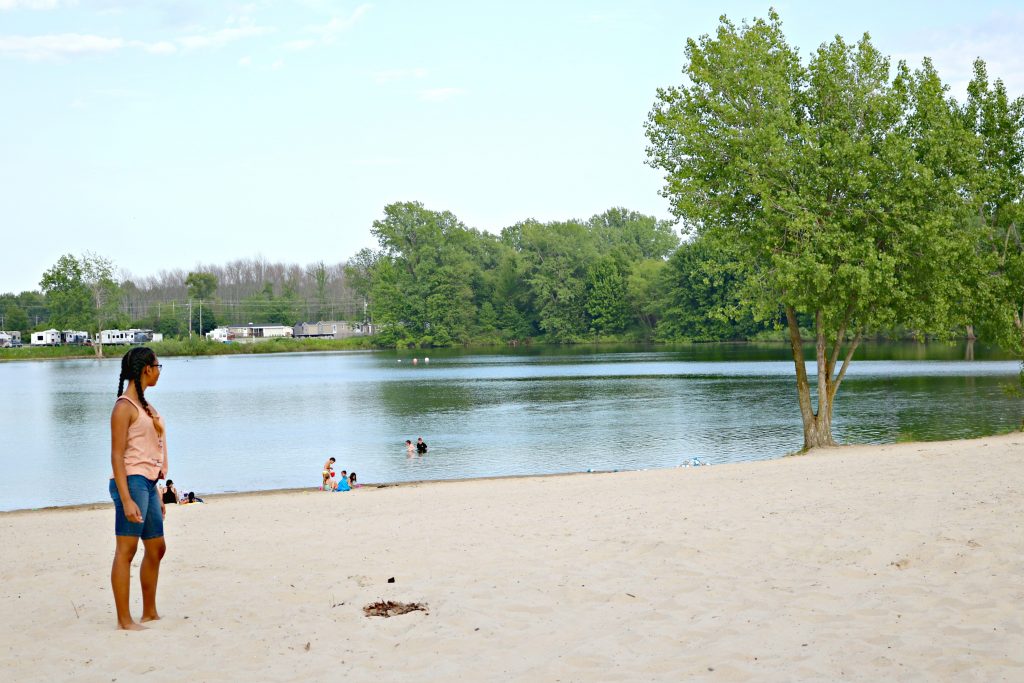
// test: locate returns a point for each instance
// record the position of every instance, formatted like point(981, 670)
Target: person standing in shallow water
point(138, 456)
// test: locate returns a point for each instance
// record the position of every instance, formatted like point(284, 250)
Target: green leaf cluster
point(434, 281)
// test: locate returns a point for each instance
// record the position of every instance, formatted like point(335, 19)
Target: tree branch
point(846, 364)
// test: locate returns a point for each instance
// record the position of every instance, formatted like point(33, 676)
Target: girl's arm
point(120, 420)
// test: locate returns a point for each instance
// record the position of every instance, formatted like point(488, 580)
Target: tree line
point(176, 301)
point(827, 202)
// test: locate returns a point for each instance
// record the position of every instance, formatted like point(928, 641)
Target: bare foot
point(149, 617)
point(131, 626)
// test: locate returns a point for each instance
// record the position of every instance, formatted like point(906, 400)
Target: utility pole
point(200, 316)
point(190, 318)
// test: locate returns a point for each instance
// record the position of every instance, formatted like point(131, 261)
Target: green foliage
point(630, 236)
point(557, 258)
point(15, 318)
point(319, 273)
point(606, 297)
point(838, 190)
point(201, 285)
point(642, 292)
point(998, 191)
point(421, 283)
point(700, 294)
point(67, 295)
point(269, 309)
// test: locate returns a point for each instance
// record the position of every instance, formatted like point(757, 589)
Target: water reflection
point(257, 422)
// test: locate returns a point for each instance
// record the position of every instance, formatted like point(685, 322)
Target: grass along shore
point(197, 346)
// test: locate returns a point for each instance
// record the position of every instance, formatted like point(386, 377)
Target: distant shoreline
point(100, 504)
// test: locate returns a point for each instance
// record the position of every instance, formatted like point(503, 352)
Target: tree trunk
point(817, 423)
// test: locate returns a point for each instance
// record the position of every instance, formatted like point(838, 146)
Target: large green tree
point(104, 292)
point(606, 297)
point(837, 185)
point(67, 294)
point(201, 286)
point(421, 281)
point(998, 192)
point(15, 318)
point(557, 260)
point(700, 294)
point(201, 289)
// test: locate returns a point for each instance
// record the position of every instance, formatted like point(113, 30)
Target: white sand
point(892, 563)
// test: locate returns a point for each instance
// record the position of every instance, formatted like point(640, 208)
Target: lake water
point(238, 423)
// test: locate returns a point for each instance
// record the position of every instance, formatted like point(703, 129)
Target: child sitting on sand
point(327, 474)
point(352, 481)
point(342, 484)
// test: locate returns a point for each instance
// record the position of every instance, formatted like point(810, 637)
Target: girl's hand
point(132, 512)
point(163, 508)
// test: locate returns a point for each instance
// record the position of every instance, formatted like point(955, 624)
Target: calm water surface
point(240, 423)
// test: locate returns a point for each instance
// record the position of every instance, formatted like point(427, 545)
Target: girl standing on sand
point(138, 455)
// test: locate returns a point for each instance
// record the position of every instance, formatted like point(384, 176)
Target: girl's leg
point(149, 574)
point(120, 580)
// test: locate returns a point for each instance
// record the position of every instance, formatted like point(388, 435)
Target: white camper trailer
point(73, 337)
point(46, 338)
point(13, 337)
point(220, 334)
point(115, 337)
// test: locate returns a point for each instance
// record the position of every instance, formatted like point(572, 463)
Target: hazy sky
point(163, 134)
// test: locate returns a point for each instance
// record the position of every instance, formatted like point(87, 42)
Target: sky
point(163, 135)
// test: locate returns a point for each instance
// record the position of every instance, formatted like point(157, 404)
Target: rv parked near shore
point(74, 337)
point(131, 336)
point(46, 338)
point(10, 338)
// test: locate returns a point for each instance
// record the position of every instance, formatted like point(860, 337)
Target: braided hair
point(132, 365)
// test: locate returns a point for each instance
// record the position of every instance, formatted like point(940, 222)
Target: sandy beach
point(869, 563)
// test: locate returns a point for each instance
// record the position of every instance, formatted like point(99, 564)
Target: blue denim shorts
point(144, 493)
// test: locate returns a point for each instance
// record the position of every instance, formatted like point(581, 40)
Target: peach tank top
point(146, 451)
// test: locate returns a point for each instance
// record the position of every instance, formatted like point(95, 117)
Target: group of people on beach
point(345, 482)
point(169, 494)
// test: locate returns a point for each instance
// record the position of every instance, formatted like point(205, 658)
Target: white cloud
point(392, 75)
point(338, 25)
point(161, 48)
point(34, 4)
point(299, 44)
point(329, 32)
point(277, 65)
point(57, 45)
point(245, 61)
point(440, 94)
point(222, 37)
